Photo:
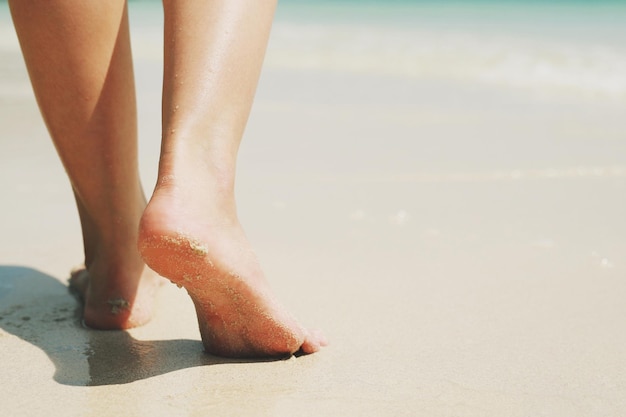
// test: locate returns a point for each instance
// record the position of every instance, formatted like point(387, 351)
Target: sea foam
point(505, 59)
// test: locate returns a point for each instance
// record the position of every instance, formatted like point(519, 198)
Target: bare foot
point(201, 246)
point(115, 302)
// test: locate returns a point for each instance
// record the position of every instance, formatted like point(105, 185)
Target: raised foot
point(237, 314)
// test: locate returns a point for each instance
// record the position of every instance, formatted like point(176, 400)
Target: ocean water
point(552, 47)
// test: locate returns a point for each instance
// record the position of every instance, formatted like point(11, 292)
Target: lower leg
point(79, 61)
point(190, 232)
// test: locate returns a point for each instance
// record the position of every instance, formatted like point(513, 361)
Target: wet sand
point(462, 244)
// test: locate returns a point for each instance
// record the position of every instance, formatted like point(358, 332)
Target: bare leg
point(190, 232)
point(79, 60)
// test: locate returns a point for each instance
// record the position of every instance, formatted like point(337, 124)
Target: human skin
point(213, 56)
point(79, 61)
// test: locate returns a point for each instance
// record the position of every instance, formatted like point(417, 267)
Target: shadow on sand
point(37, 308)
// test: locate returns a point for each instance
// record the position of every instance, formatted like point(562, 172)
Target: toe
point(313, 342)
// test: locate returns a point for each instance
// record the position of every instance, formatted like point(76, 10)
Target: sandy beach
point(445, 200)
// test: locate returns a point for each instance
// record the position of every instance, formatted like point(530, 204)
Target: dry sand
point(463, 245)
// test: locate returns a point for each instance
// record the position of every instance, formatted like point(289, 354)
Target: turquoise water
point(593, 19)
point(574, 47)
